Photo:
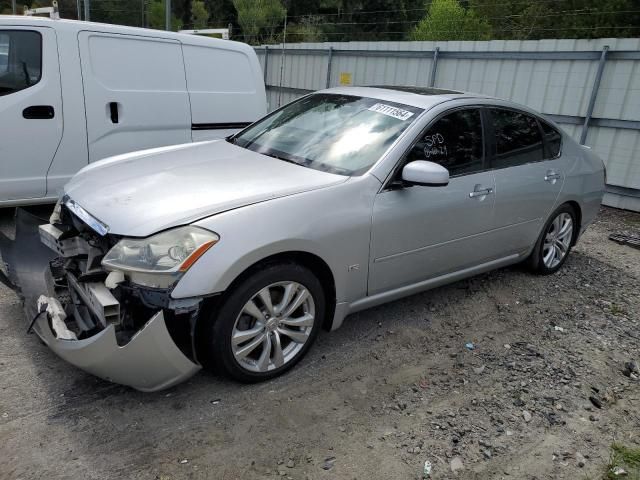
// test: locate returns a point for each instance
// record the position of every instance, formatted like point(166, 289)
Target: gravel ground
point(394, 387)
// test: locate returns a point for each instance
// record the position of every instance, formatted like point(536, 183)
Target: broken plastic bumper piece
point(148, 361)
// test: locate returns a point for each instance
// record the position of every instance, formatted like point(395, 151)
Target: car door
point(135, 93)
point(528, 173)
point(420, 232)
point(30, 110)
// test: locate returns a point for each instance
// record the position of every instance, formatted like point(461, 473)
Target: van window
point(20, 60)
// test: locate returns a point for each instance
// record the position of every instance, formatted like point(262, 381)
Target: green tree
point(259, 19)
point(518, 20)
point(199, 14)
point(371, 20)
point(448, 20)
point(306, 29)
point(156, 15)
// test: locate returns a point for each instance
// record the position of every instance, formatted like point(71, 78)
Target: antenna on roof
point(52, 11)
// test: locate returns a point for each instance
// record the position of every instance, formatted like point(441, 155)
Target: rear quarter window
point(518, 138)
point(552, 140)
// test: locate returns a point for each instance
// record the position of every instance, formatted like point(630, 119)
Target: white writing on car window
point(434, 145)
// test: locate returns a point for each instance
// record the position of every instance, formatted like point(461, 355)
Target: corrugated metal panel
point(557, 87)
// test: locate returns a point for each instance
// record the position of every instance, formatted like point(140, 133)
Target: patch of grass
point(632, 220)
point(623, 457)
point(617, 310)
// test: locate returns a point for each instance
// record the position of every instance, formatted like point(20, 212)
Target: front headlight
point(159, 260)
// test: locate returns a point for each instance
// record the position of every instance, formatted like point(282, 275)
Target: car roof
point(421, 97)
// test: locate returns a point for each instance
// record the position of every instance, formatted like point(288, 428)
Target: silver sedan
point(233, 254)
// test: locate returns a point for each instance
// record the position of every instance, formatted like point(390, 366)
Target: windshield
point(340, 134)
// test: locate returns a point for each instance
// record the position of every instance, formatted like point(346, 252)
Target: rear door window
point(20, 60)
point(454, 141)
point(517, 137)
point(552, 140)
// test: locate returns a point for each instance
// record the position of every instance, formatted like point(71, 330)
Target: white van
point(75, 92)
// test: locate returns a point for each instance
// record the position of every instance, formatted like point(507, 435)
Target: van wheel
point(555, 241)
point(266, 324)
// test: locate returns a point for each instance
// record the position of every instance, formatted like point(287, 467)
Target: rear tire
point(265, 324)
point(555, 242)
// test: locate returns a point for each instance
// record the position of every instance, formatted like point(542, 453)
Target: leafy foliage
point(199, 14)
point(260, 19)
point(447, 20)
point(156, 16)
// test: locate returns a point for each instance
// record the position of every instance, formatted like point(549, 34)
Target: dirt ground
point(394, 387)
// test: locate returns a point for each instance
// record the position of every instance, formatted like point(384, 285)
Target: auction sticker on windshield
point(390, 111)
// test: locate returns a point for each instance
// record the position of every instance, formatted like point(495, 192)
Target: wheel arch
point(313, 262)
point(578, 211)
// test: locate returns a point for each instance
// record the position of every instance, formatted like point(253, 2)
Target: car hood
point(141, 193)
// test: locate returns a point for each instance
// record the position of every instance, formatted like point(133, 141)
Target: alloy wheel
point(557, 240)
point(273, 326)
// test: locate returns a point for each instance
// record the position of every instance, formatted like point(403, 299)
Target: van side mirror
point(421, 172)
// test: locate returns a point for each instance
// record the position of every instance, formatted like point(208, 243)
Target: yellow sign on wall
point(346, 78)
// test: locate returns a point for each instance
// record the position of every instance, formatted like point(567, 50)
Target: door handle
point(113, 112)
point(39, 112)
point(552, 176)
point(481, 193)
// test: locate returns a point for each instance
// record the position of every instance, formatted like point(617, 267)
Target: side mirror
point(421, 172)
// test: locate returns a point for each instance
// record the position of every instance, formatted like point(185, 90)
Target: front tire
point(265, 324)
point(555, 241)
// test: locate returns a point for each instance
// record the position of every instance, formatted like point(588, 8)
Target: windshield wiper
point(284, 159)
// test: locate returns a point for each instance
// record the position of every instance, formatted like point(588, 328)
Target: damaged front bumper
point(147, 360)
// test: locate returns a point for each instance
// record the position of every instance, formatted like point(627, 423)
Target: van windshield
point(340, 134)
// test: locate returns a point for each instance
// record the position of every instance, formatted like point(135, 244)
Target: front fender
point(333, 224)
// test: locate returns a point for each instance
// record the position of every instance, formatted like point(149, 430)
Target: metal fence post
point(434, 66)
point(266, 62)
point(329, 58)
point(167, 15)
point(13, 6)
point(594, 94)
point(87, 10)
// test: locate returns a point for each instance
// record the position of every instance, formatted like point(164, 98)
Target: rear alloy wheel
point(554, 244)
point(266, 324)
point(557, 240)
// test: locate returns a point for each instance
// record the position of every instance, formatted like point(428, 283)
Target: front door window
point(20, 60)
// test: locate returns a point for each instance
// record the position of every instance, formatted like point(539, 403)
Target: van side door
point(30, 110)
point(135, 93)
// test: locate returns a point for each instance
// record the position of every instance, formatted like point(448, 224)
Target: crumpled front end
point(95, 320)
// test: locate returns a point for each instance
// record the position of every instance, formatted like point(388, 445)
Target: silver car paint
point(330, 224)
point(138, 195)
point(150, 361)
point(379, 245)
